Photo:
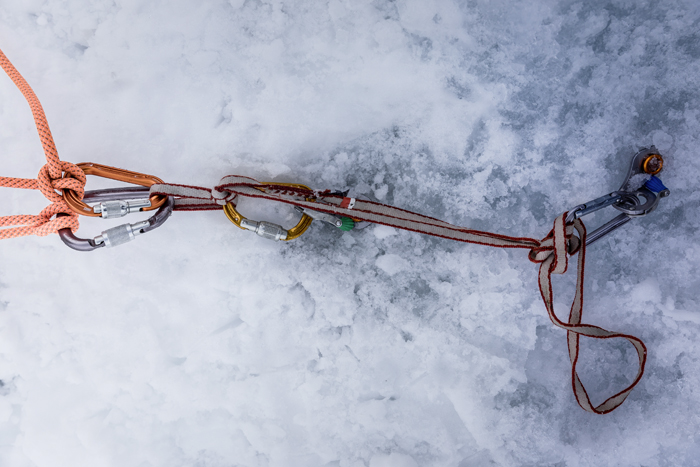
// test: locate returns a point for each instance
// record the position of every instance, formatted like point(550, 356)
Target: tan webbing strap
point(552, 252)
point(196, 198)
point(555, 263)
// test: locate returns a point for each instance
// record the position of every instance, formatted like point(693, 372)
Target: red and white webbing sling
point(552, 253)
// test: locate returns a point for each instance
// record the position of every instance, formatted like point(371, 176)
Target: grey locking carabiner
point(640, 183)
point(122, 233)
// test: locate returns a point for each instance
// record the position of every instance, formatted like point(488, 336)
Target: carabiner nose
point(123, 233)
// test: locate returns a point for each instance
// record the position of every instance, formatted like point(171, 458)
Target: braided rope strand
point(50, 179)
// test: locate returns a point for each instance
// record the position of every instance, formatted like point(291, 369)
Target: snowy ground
point(202, 345)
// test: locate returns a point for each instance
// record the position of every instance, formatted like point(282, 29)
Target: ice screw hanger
point(640, 184)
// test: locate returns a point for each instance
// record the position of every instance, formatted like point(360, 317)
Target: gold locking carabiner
point(268, 229)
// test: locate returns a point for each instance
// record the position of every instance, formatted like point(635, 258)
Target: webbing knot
point(560, 242)
point(222, 197)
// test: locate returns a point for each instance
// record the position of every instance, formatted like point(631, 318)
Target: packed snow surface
point(202, 345)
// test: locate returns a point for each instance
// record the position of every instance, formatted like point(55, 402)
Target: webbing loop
point(553, 254)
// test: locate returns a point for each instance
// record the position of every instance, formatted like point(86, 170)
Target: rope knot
point(71, 177)
point(559, 242)
point(50, 179)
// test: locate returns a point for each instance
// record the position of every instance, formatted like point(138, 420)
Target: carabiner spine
point(606, 228)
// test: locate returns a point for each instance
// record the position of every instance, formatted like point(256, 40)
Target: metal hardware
point(112, 173)
point(267, 229)
point(628, 199)
point(123, 233)
point(594, 205)
point(120, 208)
point(636, 175)
point(653, 164)
point(334, 220)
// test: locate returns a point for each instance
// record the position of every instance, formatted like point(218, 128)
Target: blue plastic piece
point(655, 185)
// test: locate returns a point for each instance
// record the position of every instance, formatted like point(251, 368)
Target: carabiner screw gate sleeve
point(265, 229)
point(121, 234)
point(120, 208)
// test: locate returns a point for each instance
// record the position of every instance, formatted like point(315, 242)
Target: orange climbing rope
point(50, 179)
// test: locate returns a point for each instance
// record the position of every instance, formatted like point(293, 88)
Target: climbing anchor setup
point(646, 164)
point(63, 183)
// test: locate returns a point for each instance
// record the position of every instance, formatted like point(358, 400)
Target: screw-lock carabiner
point(268, 229)
point(640, 184)
point(121, 175)
point(122, 233)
